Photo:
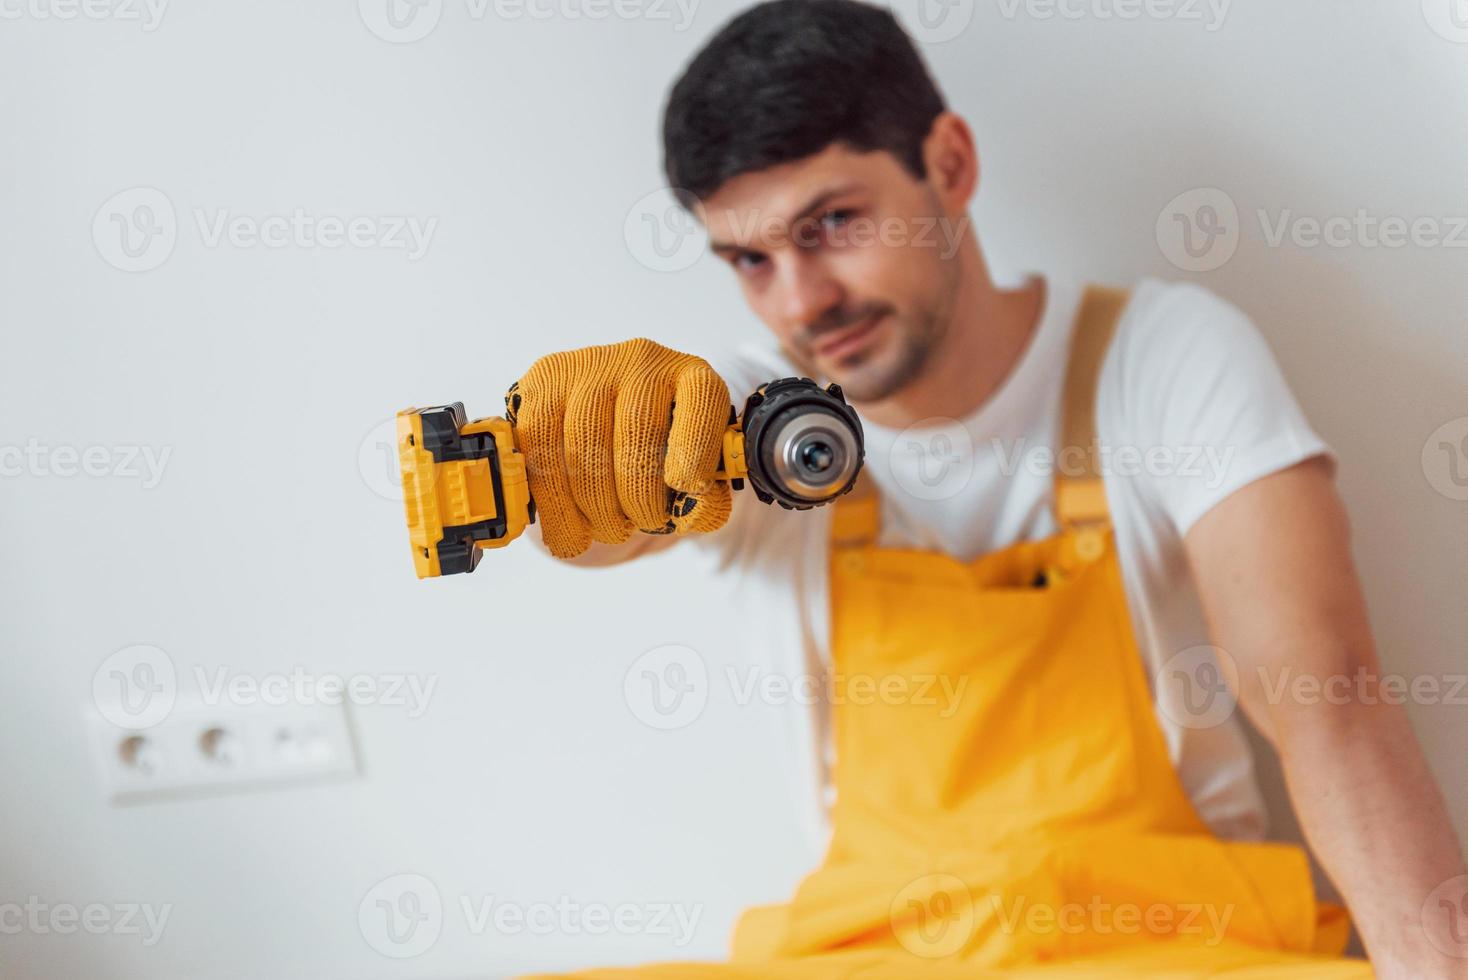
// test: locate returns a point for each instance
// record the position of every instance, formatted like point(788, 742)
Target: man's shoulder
point(1174, 306)
point(1170, 324)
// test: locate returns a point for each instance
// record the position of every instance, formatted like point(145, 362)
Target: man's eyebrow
point(814, 204)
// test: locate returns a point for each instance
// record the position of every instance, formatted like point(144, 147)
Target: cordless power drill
point(465, 487)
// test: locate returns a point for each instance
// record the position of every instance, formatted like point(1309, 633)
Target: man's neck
point(990, 331)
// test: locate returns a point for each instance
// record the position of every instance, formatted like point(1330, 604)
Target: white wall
point(263, 547)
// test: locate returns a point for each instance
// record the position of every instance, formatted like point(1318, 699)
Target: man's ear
point(952, 161)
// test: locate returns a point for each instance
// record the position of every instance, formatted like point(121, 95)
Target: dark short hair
point(788, 78)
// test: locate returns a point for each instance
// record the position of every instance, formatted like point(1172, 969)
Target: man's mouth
point(848, 339)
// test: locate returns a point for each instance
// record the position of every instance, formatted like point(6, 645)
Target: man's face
point(849, 259)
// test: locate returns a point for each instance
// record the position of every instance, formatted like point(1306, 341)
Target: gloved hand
point(621, 437)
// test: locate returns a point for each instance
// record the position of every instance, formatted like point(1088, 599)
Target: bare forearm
point(1372, 812)
point(1276, 574)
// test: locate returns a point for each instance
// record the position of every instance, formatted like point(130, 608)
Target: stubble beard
point(869, 377)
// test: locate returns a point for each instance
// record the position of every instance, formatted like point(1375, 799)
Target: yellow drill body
point(465, 487)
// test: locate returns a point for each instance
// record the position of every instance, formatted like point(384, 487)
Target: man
point(1070, 615)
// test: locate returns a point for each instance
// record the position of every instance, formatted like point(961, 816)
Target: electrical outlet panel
point(199, 748)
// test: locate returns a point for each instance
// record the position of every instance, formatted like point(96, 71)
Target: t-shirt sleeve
point(1204, 407)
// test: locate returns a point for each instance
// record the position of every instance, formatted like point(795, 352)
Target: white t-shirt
point(1191, 406)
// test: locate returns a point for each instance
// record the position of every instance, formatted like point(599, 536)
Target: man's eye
point(748, 261)
point(837, 218)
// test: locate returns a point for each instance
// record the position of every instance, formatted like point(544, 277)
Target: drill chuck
point(802, 443)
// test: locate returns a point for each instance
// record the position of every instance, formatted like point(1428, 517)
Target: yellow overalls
point(1025, 819)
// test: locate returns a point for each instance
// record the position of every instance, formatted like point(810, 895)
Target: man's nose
point(809, 291)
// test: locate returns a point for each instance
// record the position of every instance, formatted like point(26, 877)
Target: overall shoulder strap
point(857, 517)
point(1080, 491)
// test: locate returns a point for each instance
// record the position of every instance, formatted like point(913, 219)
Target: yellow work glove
point(618, 438)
